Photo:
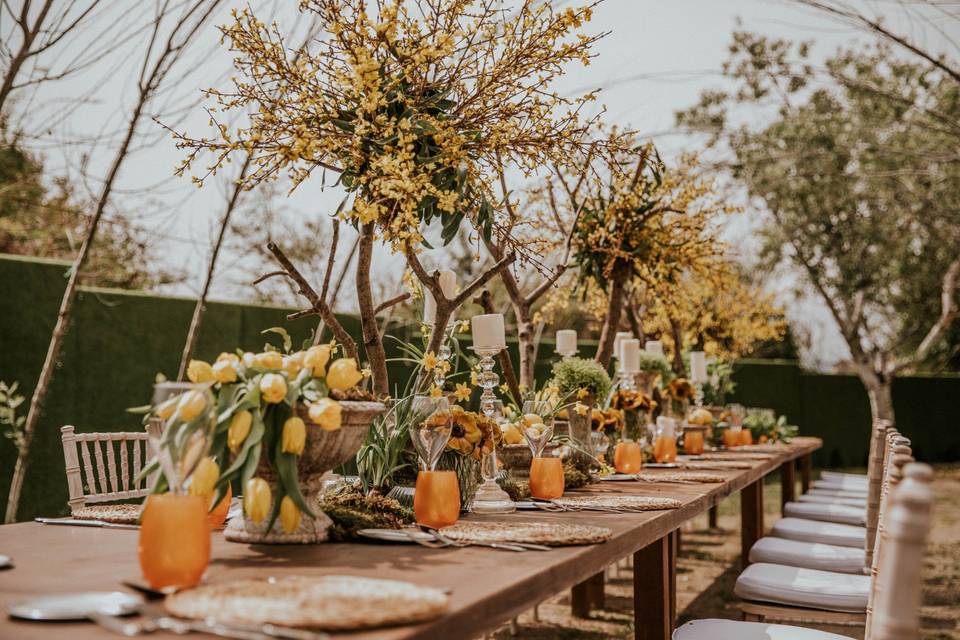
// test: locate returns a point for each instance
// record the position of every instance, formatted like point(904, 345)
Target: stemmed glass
point(490, 497)
point(546, 473)
point(436, 500)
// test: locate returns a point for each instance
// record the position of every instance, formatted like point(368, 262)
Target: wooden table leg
point(806, 464)
point(587, 595)
point(751, 518)
point(712, 516)
point(674, 551)
point(788, 483)
point(651, 591)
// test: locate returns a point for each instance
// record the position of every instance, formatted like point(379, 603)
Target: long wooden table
point(488, 587)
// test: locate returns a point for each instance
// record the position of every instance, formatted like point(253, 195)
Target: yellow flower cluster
point(473, 434)
point(413, 104)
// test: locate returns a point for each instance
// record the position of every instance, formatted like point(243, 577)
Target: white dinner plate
point(77, 606)
point(395, 535)
point(5, 561)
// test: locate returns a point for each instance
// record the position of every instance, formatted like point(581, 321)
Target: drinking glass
point(174, 544)
point(693, 437)
point(665, 444)
point(628, 457)
point(436, 500)
point(746, 437)
point(731, 436)
point(601, 444)
point(536, 424)
point(218, 512)
point(546, 478)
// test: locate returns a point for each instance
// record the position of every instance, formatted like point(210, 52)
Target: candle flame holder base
point(490, 497)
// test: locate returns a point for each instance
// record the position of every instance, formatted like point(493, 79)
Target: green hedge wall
point(119, 340)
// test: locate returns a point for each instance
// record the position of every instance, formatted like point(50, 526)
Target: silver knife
point(86, 523)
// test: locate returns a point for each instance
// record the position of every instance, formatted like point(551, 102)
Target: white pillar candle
point(618, 340)
point(654, 347)
point(698, 367)
point(488, 332)
point(429, 308)
point(566, 342)
point(630, 356)
point(448, 284)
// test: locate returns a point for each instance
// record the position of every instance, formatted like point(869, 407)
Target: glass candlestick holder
point(490, 497)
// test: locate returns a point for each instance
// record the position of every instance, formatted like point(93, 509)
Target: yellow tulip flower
point(225, 371)
point(343, 374)
point(269, 360)
point(191, 405)
point(273, 388)
point(238, 430)
point(256, 499)
point(204, 478)
point(289, 515)
point(294, 436)
point(293, 363)
point(199, 372)
point(326, 413)
point(316, 358)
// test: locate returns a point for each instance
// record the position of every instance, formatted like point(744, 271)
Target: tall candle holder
point(444, 353)
point(490, 497)
point(698, 394)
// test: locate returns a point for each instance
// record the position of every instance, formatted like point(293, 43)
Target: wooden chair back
point(896, 594)
point(109, 483)
point(875, 475)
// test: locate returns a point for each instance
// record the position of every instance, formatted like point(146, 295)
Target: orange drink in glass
point(174, 545)
point(731, 437)
point(693, 441)
point(218, 515)
point(627, 457)
point(546, 478)
point(745, 437)
point(665, 449)
point(436, 501)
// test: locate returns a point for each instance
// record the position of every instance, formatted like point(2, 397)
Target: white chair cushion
point(809, 555)
point(839, 513)
point(713, 629)
point(844, 477)
point(835, 485)
point(798, 587)
point(838, 493)
point(828, 499)
point(842, 535)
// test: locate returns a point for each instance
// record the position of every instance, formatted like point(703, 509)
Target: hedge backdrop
point(119, 340)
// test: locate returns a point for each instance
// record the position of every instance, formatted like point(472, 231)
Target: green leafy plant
point(570, 375)
point(352, 509)
point(720, 384)
point(652, 362)
point(10, 422)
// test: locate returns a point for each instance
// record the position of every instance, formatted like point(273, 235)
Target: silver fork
point(454, 543)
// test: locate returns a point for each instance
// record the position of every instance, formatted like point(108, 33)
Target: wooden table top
point(488, 587)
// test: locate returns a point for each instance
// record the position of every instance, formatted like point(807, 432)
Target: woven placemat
point(680, 476)
point(553, 534)
point(334, 603)
point(622, 503)
point(717, 464)
point(736, 455)
point(115, 513)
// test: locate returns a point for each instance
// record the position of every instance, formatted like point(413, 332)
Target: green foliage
point(720, 383)
point(385, 453)
point(856, 167)
point(46, 221)
point(572, 374)
point(10, 423)
point(352, 509)
point(652, 362)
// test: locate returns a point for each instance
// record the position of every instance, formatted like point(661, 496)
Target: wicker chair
point(109, 483)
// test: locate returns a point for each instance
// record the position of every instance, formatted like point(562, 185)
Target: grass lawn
point(708, 569)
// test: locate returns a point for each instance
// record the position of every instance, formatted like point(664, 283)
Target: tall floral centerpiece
point(413, 108)
point(584, 382)
point(283, 419)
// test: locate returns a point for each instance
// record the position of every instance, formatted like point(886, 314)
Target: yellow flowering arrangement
point(472, 434)
point(260, 398)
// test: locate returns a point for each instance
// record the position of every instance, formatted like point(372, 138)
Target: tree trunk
point(528, 347)
point(677, 332)
point(608, 334)
point(880, 393)
point(193, 333)
point(372, 343)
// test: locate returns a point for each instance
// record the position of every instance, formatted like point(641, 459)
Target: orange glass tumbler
point(693, 442)
point(546, 478)
point(627, 457)
point(218, 515)
point(174, 545)
point(665, 449)
point(731, 438)
point(746, 437)
point(436, 501)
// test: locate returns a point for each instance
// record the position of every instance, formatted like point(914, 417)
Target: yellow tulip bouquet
point(258, 397)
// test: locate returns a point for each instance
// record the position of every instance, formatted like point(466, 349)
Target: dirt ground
point(707, 570)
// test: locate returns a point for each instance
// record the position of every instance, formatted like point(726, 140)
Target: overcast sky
point(657, 59)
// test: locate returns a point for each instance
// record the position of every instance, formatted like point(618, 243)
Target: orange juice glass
point(746, 437)
point(436, 501)
point(174, 545)
point(218, 515)
point(665, 449)
point(546, 478)
point(693, 442)
point(731, 438)
point(628, 457)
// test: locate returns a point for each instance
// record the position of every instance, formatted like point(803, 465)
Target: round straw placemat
point(621, 503)
point(717, 464)
point(680, 476)
point(553, 534)
point(334, 603)
point(115, 513)
point(736, 455)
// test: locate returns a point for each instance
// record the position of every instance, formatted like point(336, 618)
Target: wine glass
point(181, 430)
point(536, 424)
point(430, 428)
point(601, 443)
